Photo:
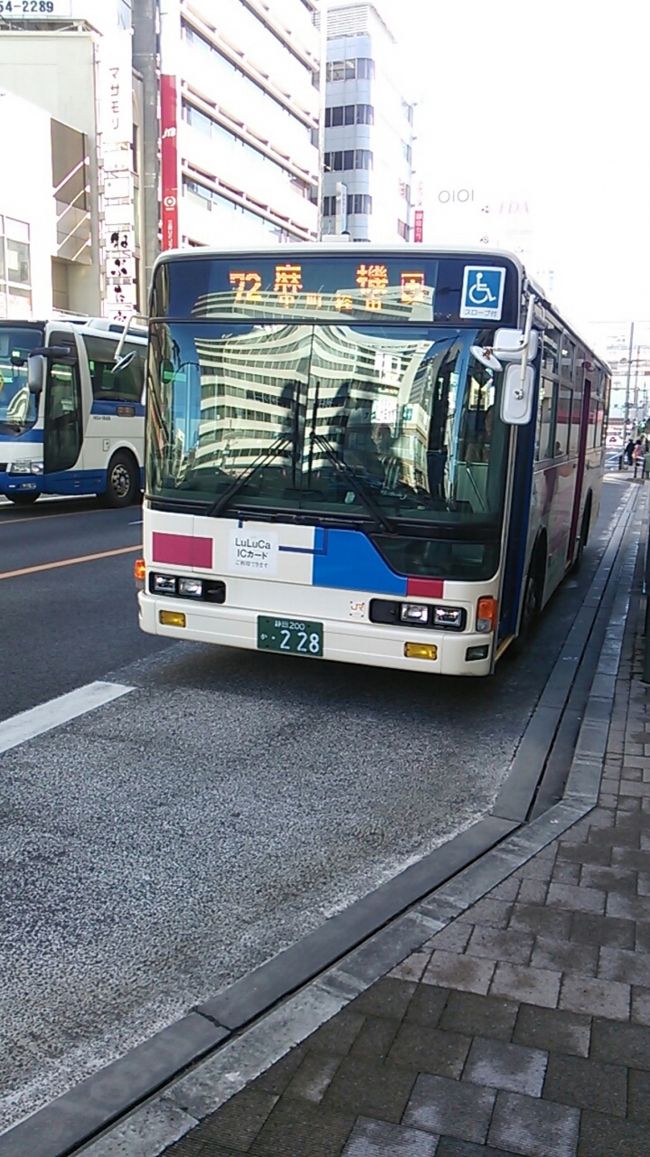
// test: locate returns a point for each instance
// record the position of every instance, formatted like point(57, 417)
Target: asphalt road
point(162, 846)
point(66, 625)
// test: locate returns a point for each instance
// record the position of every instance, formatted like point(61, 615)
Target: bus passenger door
point(63, 418)
point(582, 453)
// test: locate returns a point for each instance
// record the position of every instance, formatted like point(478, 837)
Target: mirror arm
point(527, 332)
point(125, 331)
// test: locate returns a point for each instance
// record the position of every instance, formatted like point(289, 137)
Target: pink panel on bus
point(425, 588)
point(182, 550)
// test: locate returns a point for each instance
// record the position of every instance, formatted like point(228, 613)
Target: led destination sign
point(336, 287)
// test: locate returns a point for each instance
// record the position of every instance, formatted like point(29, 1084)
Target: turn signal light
point(139, 570)
point(171, 618)
point(420, 651)
point(486, 614)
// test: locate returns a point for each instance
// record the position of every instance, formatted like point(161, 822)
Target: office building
point(70, 200)
point(368, 131)
point(240, 113)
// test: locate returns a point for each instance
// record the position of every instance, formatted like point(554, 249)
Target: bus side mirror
point(517, 396)
point(36, 371)
point(122, 363)
point(509, 345)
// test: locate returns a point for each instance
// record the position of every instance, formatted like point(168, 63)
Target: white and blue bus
point(71, 416)
point(388, 456)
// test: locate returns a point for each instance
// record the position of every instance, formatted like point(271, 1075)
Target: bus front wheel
point(122, 480)
point(28, 498)
point(531, 606)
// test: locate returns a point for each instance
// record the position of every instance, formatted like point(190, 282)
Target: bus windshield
point(18, 408)
point(382, 424)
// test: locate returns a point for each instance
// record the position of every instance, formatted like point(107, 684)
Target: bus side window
point(546, 419)
point(563, 422)
point(124, 386)
point(129, 382)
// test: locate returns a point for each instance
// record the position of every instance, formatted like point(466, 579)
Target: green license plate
point(291, 636)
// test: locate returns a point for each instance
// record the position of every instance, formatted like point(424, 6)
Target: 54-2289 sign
point(23, 9)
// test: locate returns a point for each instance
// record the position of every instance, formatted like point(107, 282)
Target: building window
point(329, 206)
point(365, 114)
point(359, 203)
point(15, 268)
point(365, 68)
point(360, 67)
point(363, 159)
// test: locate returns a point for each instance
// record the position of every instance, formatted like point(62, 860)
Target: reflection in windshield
point(17, 405)
point(377, 422)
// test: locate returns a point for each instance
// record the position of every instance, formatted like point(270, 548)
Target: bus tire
point(532, 603)
point(28, 498)
point(122, 480)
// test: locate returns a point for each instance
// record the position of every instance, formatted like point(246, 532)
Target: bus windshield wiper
point(363, 492)
point(271, 452)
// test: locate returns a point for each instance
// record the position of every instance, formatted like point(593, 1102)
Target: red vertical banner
point(168, 163)
point(418, 225)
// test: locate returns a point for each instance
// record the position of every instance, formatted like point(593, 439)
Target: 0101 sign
point(35, 9)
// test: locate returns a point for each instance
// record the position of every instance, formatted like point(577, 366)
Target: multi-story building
point(70, 136)
point(368, 130)
point(240, 109)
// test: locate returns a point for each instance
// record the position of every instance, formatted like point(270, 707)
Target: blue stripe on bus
point(27, 436)
point(348, 560)
point(111, 406)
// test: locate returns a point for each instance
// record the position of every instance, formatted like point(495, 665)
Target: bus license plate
point(291, 636)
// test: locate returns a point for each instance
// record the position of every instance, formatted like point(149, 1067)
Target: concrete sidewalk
point(521, 1028)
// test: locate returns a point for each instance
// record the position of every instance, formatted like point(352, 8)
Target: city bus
point(71, 416)
point(388, 456)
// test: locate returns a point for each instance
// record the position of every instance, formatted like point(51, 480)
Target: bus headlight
point(448, 617)
point(163, 584)
point(414, 613)
point(26, 466)
point(190, 588)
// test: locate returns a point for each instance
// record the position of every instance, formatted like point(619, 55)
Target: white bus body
point(80, 431)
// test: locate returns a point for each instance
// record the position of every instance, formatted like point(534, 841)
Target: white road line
point(28, 724)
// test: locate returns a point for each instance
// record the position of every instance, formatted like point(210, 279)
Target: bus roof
point(98, 325)
point(333, 246)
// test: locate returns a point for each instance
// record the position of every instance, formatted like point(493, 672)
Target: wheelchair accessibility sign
point(482, 294)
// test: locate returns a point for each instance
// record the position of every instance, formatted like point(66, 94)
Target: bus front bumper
point(20, 483)
point(372, 644)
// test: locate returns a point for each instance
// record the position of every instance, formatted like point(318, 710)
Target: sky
point(543, 112)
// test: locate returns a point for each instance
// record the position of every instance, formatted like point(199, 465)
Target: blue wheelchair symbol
point(482, 294)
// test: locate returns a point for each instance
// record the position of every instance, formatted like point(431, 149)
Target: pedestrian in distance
point(629, 450)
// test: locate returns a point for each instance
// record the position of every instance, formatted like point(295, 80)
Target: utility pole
point(627, 380)
point(146, 62)
point(636, 384)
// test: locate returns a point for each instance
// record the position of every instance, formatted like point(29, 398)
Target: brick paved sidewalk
point(521, 1028)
